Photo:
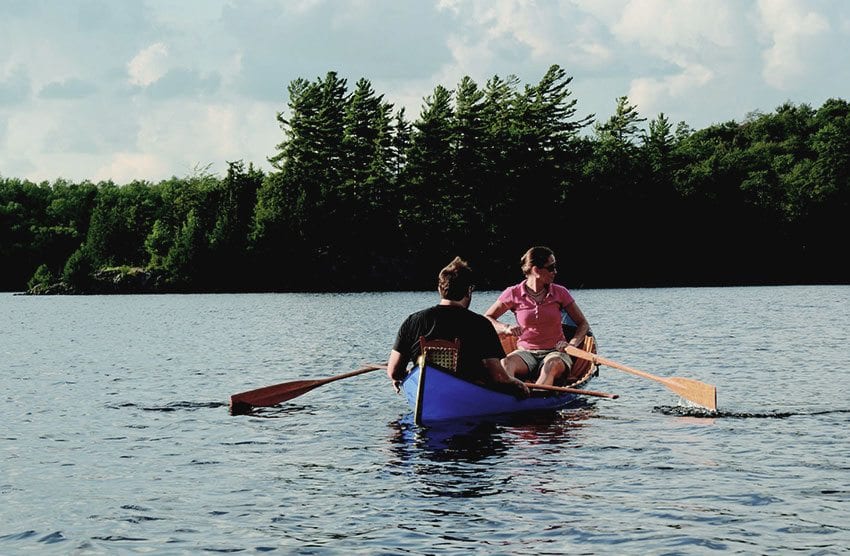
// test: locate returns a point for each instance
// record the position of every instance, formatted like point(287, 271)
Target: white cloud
point(791, 26)
point(665, 27)
point(523, 36)
point(652, 95)
point(124, 167)
point(149, 65)
point(215, 72)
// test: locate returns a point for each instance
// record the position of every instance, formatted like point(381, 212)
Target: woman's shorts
point(534, 359)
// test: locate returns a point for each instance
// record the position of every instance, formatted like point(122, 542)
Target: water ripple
point(116, 435)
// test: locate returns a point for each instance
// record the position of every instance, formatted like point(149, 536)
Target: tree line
point(361, 198)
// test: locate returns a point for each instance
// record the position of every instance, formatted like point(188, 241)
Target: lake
point(115, 434)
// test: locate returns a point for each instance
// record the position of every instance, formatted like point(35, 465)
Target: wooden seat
point(508, 342)
point(441, 353)
point(582, 366)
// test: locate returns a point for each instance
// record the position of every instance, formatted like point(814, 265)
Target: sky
point(127, 90)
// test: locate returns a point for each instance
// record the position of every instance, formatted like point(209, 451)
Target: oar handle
point(572, 390)
point(596, 360)
point(365, 369)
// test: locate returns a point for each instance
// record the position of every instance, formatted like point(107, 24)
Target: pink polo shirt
point(541, 324)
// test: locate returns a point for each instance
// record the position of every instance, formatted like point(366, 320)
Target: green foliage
point(42, 278)
point(120, 223)
point(362, 198)
point(187, 251)
point(158, 243)
point(79, 269)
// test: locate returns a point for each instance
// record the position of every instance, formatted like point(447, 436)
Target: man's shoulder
point(422, 312)
point(474, 317)
point(478, 324)
point(465, 316)
point(413, 319)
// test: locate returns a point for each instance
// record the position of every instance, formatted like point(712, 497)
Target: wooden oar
point(700, 393)
point(572, 390)
point(272, 395)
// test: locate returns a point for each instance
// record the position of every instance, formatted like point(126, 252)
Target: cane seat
point(440, 353)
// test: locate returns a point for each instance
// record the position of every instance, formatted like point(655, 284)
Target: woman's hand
point(511, 330)
point(562, 345)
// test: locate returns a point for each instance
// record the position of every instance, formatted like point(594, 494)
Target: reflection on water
point(452, 460)
point(457, 459)
point(459, 440)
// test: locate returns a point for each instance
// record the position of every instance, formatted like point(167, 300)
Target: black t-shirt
point(478, 338)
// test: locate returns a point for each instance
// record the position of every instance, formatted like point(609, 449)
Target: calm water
point(115, 435)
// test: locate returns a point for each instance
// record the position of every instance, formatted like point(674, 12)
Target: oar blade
point(267, 396)
point(270, 395)
point(700, 393)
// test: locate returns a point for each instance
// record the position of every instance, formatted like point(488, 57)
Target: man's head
point(455, 280)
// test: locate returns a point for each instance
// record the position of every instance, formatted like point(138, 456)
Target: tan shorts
point(534, 359)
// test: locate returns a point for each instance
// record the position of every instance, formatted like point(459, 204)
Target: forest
point(360, 197)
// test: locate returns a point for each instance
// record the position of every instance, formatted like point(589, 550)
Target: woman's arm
point(582, 325)
point(496, 310)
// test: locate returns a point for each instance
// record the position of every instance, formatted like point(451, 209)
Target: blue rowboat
point(436, 395)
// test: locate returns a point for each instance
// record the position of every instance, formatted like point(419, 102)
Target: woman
point(537, 303)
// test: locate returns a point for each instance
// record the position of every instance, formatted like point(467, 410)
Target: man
point(480, 349)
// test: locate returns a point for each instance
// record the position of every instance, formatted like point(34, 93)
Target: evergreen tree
point(501, 150)
point(119, 224)
point(230, 233)
point(617, 174)
point(366, 215)
point(429, 220)
point(471, 172)
point(296, 203)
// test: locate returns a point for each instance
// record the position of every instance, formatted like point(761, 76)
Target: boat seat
point(441, 353)
point(508, 343)
point(581, 367)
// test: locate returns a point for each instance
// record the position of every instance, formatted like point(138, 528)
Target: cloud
point(183, 82)
point(68, 89)
point(277, 43)
point(65, 127)
point(696, 61)
point(162, 87)
point(651, 95)
point(177, 137)
point(794, 30)
point(149, 65)
point(664, 27)
point(125, 167)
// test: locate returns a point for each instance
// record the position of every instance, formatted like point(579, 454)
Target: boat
point(436, 394)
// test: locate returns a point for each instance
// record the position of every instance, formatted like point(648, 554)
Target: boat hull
point(436, 396)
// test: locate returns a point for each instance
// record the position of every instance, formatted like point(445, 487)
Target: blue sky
point(132, 89)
